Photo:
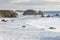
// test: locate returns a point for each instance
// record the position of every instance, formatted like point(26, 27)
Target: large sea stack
point(7, 13)
point(30, 12)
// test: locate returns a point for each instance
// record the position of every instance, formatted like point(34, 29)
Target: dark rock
point(42, 16)
point(40, 13)
point(52, 28)
point(4, 20)
point(57, 14)
point(23, 26)
point(8, 13)
point(30, 12)
point(48, 15)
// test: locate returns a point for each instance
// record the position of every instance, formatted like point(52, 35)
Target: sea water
point(44, 35)
point(51, 12)
point(15, 31)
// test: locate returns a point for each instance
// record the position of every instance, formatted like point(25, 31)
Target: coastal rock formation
point(52, 28)
point(41, 13)
point(57, 15)
point(7, 13)
point(30, 12)
point(4, 20)
point(42, 16)
point(23, 26)
point(48, 15)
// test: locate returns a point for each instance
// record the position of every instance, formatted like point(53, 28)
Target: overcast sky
point(49, 5)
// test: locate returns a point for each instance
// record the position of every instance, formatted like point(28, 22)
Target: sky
point(44, 5)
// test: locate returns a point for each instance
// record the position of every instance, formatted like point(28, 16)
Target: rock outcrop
point(52, 28)
point(57, 15)
point(40, 13)
point(7, 13)
point(32, 12)
point(48, 15)
point(4, 20)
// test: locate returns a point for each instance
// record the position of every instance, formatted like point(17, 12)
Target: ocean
point(36, 27)
point(51, 12)
point(45, 12)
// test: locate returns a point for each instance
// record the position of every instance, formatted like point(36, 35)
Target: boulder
point(52, 28)
point(42, 16)
point(4, 20)
point(48, 15)
point(40, 13)
point(57, 14)
point(23, 26)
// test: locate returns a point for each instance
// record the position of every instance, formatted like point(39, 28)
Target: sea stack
point(30, 12)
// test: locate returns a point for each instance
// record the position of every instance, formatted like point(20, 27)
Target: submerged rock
point(12, 20)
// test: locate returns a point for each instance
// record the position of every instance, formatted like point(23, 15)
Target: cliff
point(7, 13)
